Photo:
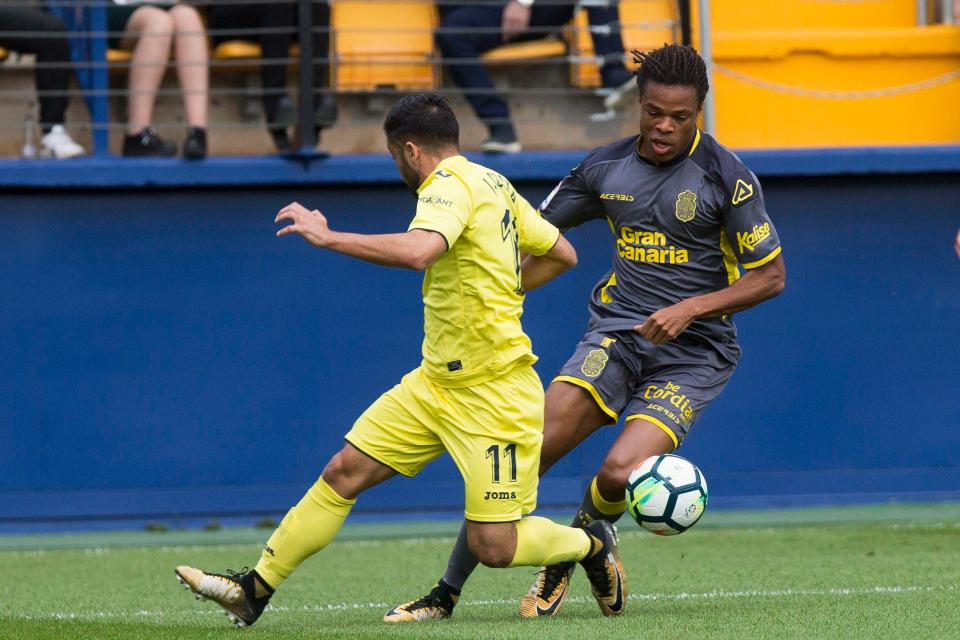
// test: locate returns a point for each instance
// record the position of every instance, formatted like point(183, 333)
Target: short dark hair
point(423, 118)
point(673, 64)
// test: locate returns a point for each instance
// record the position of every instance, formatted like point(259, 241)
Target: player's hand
point(956, 244)
point(667, 323)
point(516, 19)
point(312, 225)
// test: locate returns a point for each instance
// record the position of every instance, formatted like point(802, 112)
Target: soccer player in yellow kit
point(475, 395)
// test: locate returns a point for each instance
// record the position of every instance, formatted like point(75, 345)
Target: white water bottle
point(29, 148)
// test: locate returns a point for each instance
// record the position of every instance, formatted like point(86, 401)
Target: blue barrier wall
point(164, 354)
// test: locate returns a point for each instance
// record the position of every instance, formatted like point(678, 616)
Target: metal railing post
point(706, 52)
point(99, 81)
point(308, 136)
point(922, 19)
point(683, 13)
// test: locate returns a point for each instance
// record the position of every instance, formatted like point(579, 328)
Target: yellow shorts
point(493, 431)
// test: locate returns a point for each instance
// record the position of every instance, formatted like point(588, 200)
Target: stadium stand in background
point(785, 75)
point(157, 332)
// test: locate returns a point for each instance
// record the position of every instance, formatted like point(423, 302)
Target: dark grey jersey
point(680, 230)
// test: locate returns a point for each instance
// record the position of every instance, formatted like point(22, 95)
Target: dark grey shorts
point(667, 385)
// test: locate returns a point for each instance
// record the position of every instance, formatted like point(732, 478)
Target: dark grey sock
point(462, 562)
point(587, 512)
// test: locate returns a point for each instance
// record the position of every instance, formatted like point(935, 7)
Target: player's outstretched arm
point(416, 249)
point(536, 271)
point(754, 287)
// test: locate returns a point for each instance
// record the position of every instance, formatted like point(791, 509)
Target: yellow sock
point(307, 528)
point(602, 505)
point(542, 542)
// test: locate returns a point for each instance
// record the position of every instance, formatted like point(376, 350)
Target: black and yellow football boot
point(242, 595)
point(607, 578)
point(548, 592)
point(436, 605)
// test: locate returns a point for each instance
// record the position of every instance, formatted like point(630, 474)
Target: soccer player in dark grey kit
point(660, 344)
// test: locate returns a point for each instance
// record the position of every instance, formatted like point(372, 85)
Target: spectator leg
point(52, 82)
point(613, 72)
point(149, 31)
point(545, 18)
point(321, 44)
point(193, 63)
point(325, 114)
point(276, 46)
point(473, 77)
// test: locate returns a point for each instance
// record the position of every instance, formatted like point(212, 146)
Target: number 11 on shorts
point(509, 451)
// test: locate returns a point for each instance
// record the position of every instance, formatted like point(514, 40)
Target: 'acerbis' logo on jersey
point(742, 192)
point(622, 197)
point(686, 206)
point(749, 240)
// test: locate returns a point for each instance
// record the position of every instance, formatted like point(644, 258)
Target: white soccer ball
point(666, 494)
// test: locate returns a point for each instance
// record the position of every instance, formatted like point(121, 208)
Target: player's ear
point(411, 152)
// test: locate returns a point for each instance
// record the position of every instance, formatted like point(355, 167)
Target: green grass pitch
point(866, 572)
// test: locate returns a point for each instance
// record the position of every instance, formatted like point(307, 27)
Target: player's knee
point(492, 556)
point(337, 469)
point(612, 477)
point(494, 546)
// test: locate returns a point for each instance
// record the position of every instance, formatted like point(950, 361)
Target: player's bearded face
point(410, 176)
point(668, 120)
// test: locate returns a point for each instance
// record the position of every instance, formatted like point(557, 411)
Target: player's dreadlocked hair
point(424, 118)
point(673, 64)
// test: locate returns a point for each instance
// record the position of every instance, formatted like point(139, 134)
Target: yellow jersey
point(472, 295)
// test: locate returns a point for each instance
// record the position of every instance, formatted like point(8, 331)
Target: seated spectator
point(519, 20)
point(149, 31)
point(279, 22)
point(52, 72)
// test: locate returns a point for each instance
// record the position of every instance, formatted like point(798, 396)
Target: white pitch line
point(445, 541)
point(642, 597)
point(745, 529)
